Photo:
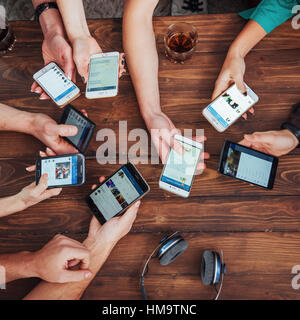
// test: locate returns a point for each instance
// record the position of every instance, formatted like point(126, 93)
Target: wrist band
point(294, 130)
point(42, 7)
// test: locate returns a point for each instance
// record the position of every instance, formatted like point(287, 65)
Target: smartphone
point(103, 75)
point(248, 165)
point(63, 171)
point(71, 116)
point(117, 193)
point(178, 173)
point(56, 84)
point(229, 107)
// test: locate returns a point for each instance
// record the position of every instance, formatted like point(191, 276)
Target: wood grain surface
point(257, 229)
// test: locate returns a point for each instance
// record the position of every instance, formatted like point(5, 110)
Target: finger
point(84, 112)
point(168, 137)
point(42, 185)
point(204, 155)
point(161, 147)
point(50, 152)
point(251, 110)
point(199, 138)
point(220, 86)
point(82, 68)
point(102, 179)
point(73, 263)
point(201, 166)
point(239, 81)
point(74, 275)
point(34, 86)
point(63, 130)
point(43, 154)
point(44, 96)
point(244, 116)
point(130, 215)
point(94, 186)
point(50, 193)
point(246, 143)
point(78, 251)
point(31, 168)
point(68, 64)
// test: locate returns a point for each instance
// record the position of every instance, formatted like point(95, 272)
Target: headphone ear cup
point(208, 267)
point(173, 253)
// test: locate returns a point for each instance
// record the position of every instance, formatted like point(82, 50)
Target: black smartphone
point(248, 165)
point(63, 171)
point(86, 127)
point(117, 193)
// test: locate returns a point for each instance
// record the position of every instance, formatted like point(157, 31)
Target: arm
point(83, 44)
point(233, 69)
point(100, 242)
point(142, 60)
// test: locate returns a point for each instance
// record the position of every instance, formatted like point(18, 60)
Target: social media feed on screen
point(117, 193)
point(85, 128)
point(229, 106)
point(56, 84)
point(249, 165)
point(62, 171)
point(180, 168)
point(103, 76)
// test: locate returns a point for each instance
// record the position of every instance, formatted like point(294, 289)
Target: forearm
point(50, 20)
point(73, 290)
point(12, 119)
point(141, 54)
point(17, 265)
point(74, 19)
point(247, 39)
point(10, 205)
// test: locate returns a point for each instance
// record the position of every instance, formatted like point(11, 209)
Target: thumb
point(42, 185)
point(239, 81)
point(130, 215)
point(68, 66)
point(75, 275)
point(63, 130)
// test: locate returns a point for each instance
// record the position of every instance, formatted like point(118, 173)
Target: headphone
point(171, 247)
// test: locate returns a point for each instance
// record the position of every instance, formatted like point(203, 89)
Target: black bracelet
point(42, 7)
point(294, 130)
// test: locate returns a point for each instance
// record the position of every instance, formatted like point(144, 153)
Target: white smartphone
point(178, 173)
point(103, 75)
point(229, 107)
point(56, 84)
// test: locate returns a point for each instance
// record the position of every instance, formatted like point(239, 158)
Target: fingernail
point(87, 275)
point(123, 62)
point(123, 72)
point(245, 94)
point(27, 169)
point(36, 91)
point(48, 149)
point(43, 98)
point(137, 204)
point(41, 153)
point(83, 80)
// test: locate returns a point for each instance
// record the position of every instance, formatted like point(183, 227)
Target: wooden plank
point(206, 214)
point(265, 259)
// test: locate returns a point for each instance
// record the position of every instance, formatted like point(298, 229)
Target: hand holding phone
point(229, 107)
point(56, 84)
point(63, 171)
point(85, 126)
point(117, 193)
point(248, 165)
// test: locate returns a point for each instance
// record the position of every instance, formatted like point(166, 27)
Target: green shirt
point(271, 13)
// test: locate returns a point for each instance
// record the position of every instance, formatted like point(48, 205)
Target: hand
point(276, 143)
point(233, 71)
point(83, 48)
point(56, 49)
point(50, 133)
point(114, 229)
point(34, 194)
point(52, 263)
point(162, 132)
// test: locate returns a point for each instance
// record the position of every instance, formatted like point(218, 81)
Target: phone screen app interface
point(56, 83)
point(248, 165)
point(77, 120)
point(179, 170)
point(103, 73)
point(117, 193)
point(61, 171)
point(230, 105)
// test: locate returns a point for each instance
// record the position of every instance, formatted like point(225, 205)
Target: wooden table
point(258, 230)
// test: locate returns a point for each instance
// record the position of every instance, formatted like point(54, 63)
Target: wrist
point(51, 23)
point(236, 52)
point(99, 245)
point(292, 137)
point(27, 263)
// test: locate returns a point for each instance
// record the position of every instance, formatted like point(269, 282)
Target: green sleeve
point(271, 13)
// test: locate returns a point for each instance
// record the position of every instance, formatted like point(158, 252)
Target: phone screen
point(230, 106)
point(179, 169)
point(56, 83)
point(75, 119)
point(61, 171)
point(103, 74)
point(117, 193)
point(248, 165)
